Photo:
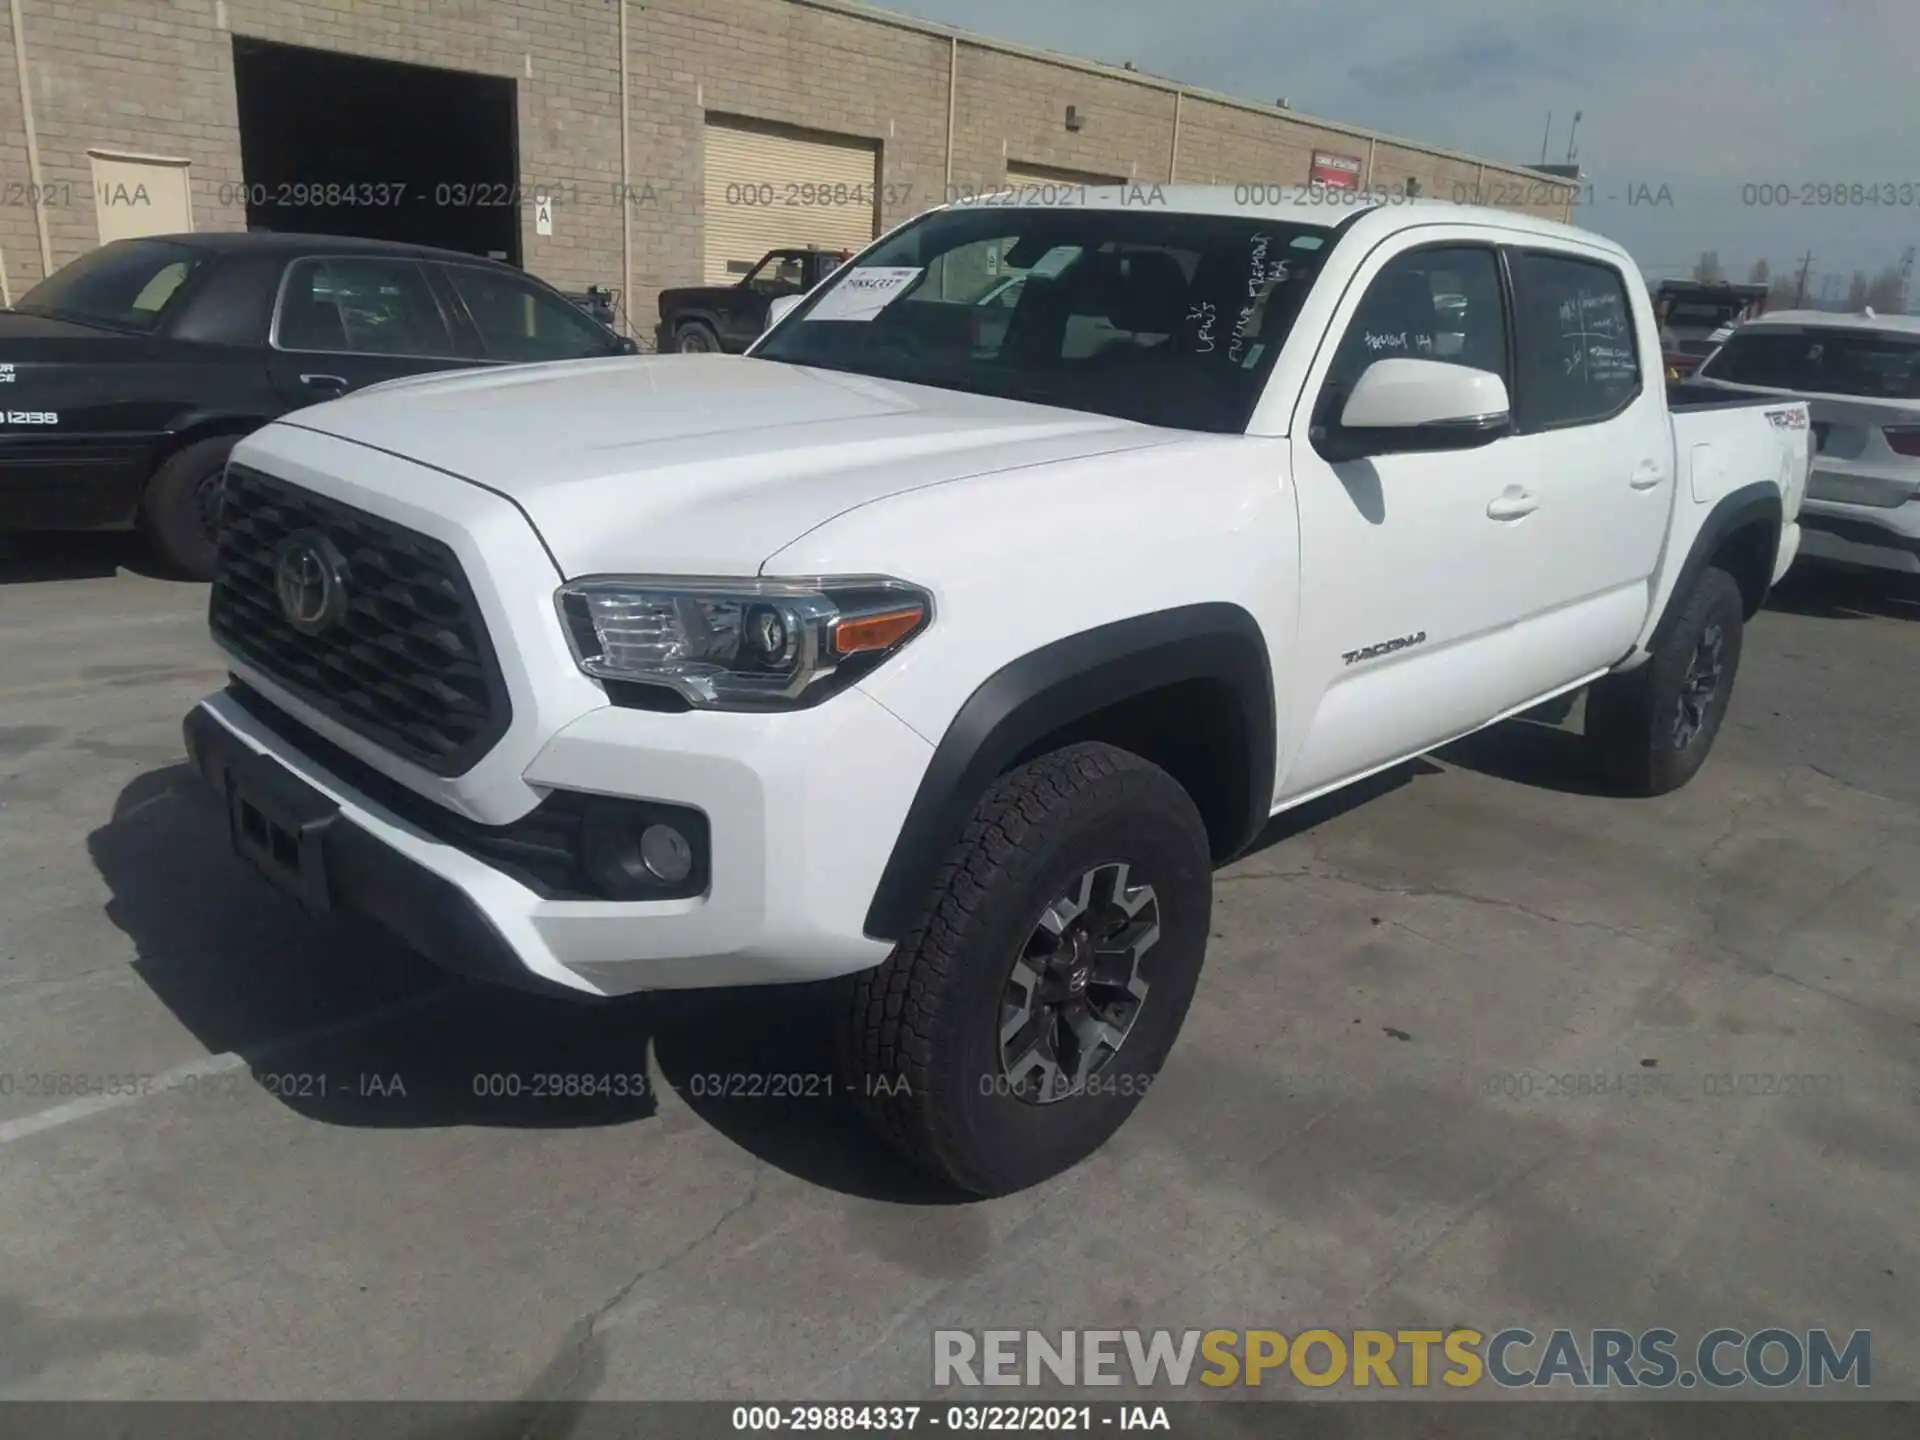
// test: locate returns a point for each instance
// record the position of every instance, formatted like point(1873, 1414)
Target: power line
point(1800, 290)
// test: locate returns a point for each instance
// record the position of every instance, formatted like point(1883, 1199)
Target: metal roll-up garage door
point(1022, 176)
point(769, 187)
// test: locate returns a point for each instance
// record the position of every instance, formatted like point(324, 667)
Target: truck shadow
point(1840, 592)
point(341, 1023)
point(1537, 748)
point(35, 557)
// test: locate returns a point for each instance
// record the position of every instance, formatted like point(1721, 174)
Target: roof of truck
point(1300, 205)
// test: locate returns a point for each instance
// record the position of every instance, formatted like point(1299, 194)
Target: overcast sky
point(1704, 97)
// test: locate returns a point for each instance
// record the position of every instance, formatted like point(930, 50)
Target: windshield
point(1822, 361)
point(1165, 319)
point(125, 286)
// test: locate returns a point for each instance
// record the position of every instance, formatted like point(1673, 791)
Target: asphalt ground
point(1478, 1046)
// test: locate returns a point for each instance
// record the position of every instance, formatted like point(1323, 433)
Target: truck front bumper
point(798, 814)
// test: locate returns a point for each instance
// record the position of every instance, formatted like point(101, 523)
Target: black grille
point(408, 663)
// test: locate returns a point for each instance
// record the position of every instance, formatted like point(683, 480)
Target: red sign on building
point(1337, 172)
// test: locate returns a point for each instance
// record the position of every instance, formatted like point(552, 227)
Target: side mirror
point(1408, 404)
point(779, 309)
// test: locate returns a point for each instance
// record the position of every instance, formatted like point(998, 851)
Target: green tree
point(1707, 268)
point(1760, 274)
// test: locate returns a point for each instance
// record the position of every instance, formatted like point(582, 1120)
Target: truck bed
point(1683, 395)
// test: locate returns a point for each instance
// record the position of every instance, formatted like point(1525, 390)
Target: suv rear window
point(126, 285)
point(1822, 361)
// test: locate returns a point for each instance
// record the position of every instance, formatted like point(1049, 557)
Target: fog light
point(666, 853)
point(639, 851)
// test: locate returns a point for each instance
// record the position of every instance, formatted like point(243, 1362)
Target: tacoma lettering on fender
point(949, 658)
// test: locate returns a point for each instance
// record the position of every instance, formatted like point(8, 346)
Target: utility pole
point(1906, 276)
point(1548, 135)
point(1800, 291)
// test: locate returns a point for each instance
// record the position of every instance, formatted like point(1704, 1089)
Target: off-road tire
point(171, 510)
point(695, 337)
point(1634, 721)
point(921, 1048)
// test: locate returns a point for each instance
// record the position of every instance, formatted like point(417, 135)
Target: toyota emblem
point(309, 579)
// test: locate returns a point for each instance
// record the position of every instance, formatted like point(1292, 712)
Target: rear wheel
point(1016, 1030)
point(180, 511)
point(696, 337)
point(1652, 728)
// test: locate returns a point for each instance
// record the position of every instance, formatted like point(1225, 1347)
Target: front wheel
point(1015, 1031)
point(695, 337)
point(1652, 728)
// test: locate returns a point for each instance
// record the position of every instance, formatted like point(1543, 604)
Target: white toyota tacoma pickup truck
point(950, 652)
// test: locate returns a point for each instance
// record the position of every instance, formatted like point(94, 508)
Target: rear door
point(346, 321)
point(1596, 447)
point(516, 321)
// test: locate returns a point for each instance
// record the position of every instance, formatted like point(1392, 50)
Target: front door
point(1416, 568)
point(344, 322)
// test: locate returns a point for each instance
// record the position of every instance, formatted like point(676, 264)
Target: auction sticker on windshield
point(865, 292)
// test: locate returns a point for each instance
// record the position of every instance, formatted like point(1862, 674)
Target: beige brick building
point(123, 116)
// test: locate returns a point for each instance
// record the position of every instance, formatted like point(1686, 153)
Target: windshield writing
point(1166, 319)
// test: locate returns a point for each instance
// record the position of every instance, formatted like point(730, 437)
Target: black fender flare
point(1048, 689)
point(1756, 504)
point(693, 316)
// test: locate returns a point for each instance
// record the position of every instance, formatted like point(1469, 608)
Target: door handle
point(1646, 477)
point(324, 382)
point(1512, 503)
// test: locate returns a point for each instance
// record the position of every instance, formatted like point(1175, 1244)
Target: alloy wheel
point(1698, 688)
point(1076, 990)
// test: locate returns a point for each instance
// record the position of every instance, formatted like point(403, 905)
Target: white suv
point(1860, 376)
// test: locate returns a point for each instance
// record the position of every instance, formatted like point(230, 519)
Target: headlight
point(739, 644)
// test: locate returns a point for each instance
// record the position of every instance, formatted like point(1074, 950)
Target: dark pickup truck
point(703, 319)
point(127, 375)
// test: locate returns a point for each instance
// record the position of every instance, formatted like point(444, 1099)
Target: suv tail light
point(1903, 439)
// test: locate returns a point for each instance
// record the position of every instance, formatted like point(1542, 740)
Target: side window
point(1575, 344)
point(1437, 304)
point(520, 323)
point(782, 273)
point(361, 306)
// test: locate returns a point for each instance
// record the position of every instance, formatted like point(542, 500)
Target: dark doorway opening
point(335, 144)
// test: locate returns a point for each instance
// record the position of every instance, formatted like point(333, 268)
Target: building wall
point(19, 243)
point(156, 77)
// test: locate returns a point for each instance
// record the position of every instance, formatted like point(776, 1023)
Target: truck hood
point(701, 464)
point(684, 293)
